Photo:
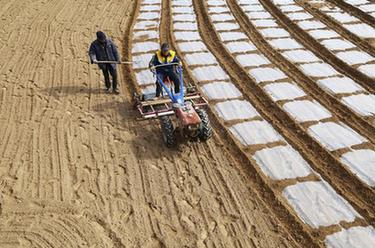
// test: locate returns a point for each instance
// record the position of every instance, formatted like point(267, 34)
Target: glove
point(179, 67)
point(94, 61)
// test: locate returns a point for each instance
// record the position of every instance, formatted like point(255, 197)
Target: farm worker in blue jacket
point(103, 49)
point(166, 56)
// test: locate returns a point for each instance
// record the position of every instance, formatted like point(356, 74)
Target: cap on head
point(101, 36)
point(165, 47)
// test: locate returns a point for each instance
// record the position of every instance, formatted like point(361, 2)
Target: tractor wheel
point(167, 131)
point(206, 128)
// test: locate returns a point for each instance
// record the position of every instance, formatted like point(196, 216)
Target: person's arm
point(92, 54)
point(115, 52)
point(152, 61)
point(178, 61)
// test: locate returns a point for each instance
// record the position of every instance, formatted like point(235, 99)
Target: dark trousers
point(173, 77)
point(108, 69)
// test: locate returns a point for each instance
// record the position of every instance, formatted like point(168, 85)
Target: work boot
point(116, 91)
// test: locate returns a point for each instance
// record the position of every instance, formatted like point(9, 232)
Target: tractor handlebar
point(164, 65)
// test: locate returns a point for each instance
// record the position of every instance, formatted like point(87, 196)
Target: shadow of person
point(148, 142)
point(145, 138)
point(122, 107)
point(61, 91)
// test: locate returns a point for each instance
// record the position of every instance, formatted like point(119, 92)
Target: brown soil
point(78, 170)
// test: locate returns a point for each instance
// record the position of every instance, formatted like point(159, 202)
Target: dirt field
point(77, 169)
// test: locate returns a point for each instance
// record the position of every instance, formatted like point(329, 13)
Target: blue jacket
point(159, 59)
point(106, 52)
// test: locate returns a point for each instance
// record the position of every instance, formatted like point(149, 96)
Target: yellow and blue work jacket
point(159, 59)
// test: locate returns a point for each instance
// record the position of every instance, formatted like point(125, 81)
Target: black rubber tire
point(206, 131)
point(167, 131)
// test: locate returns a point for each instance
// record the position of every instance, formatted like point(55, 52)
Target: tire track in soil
point(325, 163)
point(53, 152)
point(335, 25)
point(307, 40)
point(40, 24)
point(49, 133)
point(48, 225)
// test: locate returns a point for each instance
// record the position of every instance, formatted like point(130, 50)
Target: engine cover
point(186, 115)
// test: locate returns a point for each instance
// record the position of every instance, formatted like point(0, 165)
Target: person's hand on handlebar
point(179, 65)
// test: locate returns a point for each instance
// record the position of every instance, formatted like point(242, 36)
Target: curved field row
point(221, 24)
point(202, 220)
point(216, 84)
point(188, 31)
point(77, 169)
point(362, 9)
point(311, 38)
point(356, 32)
point(361, 102)
point(306, 145)
point(307, 112)
point(342, 88)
